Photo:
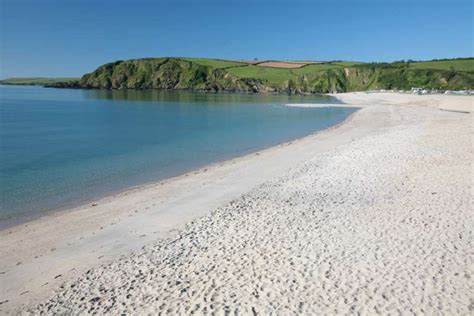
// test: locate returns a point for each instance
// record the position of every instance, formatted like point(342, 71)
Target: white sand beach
point(373, 216)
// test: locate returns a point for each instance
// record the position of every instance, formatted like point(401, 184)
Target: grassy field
point(265, 70)
point(278, 76)
point(216, 63)
point(452, 64)
point(313, 68)
point(346, 63)
point(274, 75)
point(39, 81)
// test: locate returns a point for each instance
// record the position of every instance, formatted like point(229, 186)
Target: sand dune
point(374, 216)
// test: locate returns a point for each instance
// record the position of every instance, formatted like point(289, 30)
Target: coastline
point(42, 254)
point(86, 215)
point(87, 202)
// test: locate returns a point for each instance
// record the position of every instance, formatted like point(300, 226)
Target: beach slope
point(374, 216)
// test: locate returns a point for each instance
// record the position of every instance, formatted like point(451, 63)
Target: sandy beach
point(373, 216)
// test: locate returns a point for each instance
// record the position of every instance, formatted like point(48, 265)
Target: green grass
point(215, 63)
point(346, 63)
point(275, 76)
point(453, 64)
point(279, 76)
point(313, 68)
point(40, 81)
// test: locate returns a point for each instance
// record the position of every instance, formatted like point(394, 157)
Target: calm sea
point(62, 147)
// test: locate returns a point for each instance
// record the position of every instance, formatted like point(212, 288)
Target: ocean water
point(62, 147)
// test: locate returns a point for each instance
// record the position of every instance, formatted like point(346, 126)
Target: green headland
point(38, 81)
point(201, 74)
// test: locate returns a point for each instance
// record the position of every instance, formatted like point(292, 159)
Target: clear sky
point(72, 37)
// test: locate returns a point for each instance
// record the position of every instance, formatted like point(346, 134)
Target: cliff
point(219, 75)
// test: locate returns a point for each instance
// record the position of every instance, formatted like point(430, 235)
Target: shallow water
point(61, 147)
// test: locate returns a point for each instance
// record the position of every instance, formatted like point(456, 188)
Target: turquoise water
point(61, 147)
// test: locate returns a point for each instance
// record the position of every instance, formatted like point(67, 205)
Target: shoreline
point(44, 253)
point(87, 215)
point(87, 202)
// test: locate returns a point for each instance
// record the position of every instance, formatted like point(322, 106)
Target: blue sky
point(72, 37)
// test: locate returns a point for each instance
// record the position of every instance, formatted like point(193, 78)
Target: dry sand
point(374, 216)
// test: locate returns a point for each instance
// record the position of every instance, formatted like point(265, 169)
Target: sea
point(63, 147)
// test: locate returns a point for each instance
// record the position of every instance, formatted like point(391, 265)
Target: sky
point(67, 38)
